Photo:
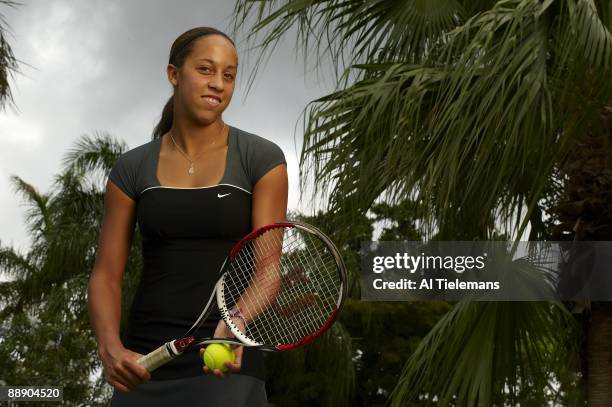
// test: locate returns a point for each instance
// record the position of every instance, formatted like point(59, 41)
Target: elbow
point(102, 278)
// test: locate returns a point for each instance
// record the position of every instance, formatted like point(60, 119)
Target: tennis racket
point(285, 280)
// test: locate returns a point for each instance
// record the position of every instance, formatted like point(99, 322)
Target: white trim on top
point(210, 186)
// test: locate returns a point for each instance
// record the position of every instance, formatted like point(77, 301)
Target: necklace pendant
point(191, 170)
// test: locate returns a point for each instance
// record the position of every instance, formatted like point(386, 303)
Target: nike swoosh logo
point(222, 195)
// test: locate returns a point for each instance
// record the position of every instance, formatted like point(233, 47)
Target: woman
point(194, 190)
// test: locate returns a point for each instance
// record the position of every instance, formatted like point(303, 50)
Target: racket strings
point(295, 301)
point(247, 262)
point(287, 282)
point(308, 300)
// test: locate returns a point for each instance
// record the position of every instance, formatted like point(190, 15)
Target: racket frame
point(168, 350)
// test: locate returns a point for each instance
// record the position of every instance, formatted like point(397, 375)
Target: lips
point(211, 100)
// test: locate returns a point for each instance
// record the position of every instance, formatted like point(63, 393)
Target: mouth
point(212, 100)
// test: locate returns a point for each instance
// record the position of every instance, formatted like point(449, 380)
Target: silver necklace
point(191, 170)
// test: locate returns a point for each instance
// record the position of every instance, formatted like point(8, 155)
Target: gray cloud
point(100, 66)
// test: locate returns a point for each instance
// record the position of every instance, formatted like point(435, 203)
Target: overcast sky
point(100, 66)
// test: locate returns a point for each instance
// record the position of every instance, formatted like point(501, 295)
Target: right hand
point(222, 331)
point(121, 369)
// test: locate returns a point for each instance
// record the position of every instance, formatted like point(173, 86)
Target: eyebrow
point(214, 63)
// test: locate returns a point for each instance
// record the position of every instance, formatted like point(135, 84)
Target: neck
point(195, 139)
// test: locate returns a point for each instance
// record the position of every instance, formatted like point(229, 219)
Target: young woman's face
point(205, 82)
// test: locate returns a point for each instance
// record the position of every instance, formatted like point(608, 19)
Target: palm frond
point(433, 132)
point(586, 35)
point(348, 32)
point(486, 353)
point(14, 264)
point(37, 216)
point(92, 153)
point(8, 63)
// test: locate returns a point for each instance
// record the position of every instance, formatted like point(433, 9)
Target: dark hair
point(181, 47)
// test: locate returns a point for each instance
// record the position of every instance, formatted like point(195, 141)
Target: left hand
point(222, 331)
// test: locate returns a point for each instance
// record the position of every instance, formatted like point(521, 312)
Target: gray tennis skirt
point(206, 390)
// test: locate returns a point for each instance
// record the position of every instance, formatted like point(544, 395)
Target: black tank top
point(186, 235)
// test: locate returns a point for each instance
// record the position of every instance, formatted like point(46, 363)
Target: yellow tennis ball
point(216, 354)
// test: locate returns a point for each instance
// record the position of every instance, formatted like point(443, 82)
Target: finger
point(122, 378)
point(126, 379)
point(238, 352)
point(128, 371)
point(218, 373)
point(135, 368)
point(142, 373)
point(206, 370)
point(125, 376)
point(233, 367)
point(118, 386)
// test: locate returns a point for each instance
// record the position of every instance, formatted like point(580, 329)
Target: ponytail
point(165, 122)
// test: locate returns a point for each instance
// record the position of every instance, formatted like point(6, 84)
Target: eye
point(204, 68)
point(229, 76)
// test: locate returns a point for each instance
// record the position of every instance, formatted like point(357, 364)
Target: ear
point(172, 72)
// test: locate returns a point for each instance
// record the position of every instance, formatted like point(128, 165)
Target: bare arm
point(270, 197)
point(104, 290)
point(269, 205)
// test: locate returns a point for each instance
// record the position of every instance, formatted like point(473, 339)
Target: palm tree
point(45, 336)
point(472, 109)
point(582, 209)
point(8, 62)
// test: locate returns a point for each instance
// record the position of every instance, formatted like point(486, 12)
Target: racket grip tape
point(157, 358)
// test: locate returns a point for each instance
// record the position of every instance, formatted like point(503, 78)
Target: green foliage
point(319, 374)
point(491, 354)
point(469, 108)
point(8, 62)
point(371, 340)
point(472, 128)
point(45, 336)
point(347, 240)
point(385, 335)
point(404, 218)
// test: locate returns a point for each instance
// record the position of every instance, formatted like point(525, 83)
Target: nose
point(216, 81)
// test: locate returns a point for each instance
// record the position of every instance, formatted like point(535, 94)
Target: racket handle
point(158, 357)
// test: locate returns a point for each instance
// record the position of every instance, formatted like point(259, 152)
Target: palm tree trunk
point(586, 203)
point(598, 355)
